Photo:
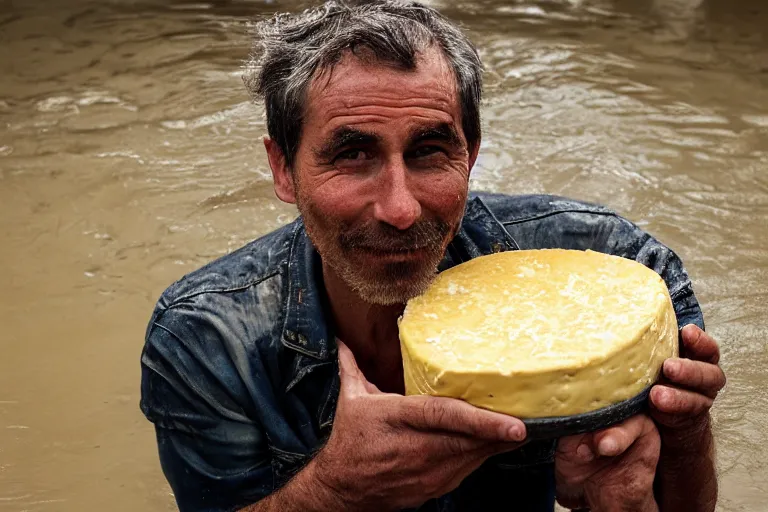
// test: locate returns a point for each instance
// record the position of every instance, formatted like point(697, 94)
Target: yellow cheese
point(539, 333)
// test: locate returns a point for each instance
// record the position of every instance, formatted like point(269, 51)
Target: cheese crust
point(539, 333)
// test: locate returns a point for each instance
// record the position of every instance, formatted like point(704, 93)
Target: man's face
point(381, 174)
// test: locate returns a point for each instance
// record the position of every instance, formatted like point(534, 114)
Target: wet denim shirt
point(239, 369)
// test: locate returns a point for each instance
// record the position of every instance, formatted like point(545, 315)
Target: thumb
point(352, 379)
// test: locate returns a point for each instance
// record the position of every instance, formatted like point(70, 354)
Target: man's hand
point(611, 470)
point(686, 478)
point(680, 403)
point(389, 452)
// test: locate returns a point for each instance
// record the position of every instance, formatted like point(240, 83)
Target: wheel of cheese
point(537, 334)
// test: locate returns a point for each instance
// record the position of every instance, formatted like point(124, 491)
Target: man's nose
point(396, 204)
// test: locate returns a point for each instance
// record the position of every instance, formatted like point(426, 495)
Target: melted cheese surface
point(539, 333)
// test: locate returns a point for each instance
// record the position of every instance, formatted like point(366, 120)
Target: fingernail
point(671, 368)
point(585, 453)
point(608, 447)
point(515, 433)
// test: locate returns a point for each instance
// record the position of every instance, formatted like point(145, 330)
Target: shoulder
point(234, 299)
point(541, 221)
point(510, 209)
point(209, 329)
point(255, 263)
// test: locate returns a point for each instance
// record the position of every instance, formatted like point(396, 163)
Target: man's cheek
point(449, 189)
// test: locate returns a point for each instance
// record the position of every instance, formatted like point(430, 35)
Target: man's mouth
point(394, 253)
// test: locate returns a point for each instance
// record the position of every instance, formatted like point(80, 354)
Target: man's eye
point(423, 151)
point(352, 155)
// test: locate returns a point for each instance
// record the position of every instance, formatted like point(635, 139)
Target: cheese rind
point(539, 333)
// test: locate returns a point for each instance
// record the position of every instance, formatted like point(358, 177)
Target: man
point(274, 375)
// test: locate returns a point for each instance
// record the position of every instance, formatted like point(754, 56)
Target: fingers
point(352, 379)
point(616, 440)
point(456, 416)
point(702, 377)
point(679, 402)
point(617, 469)
point(699, 345)
point(690, 383)
point(576, 449)
point(569, 445)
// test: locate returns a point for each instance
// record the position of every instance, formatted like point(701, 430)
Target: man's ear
point(281, 174)
point(473, 152)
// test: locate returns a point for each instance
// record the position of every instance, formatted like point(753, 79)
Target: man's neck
point(369, 330)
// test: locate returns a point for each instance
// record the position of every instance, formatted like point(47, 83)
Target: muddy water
point(129, 155)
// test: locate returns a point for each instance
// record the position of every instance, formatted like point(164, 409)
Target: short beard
point(396, 282)
point(340, 246)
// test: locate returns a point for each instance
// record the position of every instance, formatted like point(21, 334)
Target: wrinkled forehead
point(357, 79)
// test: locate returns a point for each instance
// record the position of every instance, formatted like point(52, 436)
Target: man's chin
point(392, 289)
point(384, 281)
point(389, 296)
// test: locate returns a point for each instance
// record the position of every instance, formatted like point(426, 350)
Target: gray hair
point(290, 49)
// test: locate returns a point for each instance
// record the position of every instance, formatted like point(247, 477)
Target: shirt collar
point(306, 329)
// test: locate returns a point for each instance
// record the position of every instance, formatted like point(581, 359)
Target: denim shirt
point(239, 369)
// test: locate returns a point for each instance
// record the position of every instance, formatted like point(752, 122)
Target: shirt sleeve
point(214, 456)
point(604, 231)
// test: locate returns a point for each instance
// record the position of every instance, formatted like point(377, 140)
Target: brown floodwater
point(130, 155)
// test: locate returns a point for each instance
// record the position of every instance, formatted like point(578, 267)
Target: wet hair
point(290, 50)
